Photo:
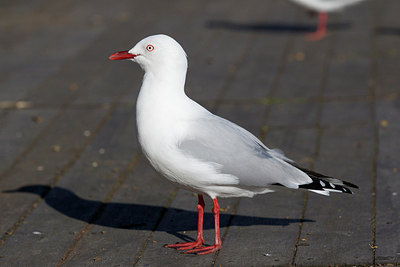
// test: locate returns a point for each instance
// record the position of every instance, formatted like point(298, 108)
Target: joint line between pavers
point(372, 93)
point(60, 173)
point(321, 92)
point(98, 212)
point(159, 219)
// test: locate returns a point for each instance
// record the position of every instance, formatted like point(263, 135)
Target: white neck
point(161, 98)
point(161, 88)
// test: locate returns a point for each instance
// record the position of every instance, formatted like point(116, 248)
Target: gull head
point(156, 52)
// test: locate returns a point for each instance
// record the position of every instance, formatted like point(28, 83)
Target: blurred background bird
point(323, 7)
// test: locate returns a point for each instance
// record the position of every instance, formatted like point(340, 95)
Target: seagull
point(200, 151)
point(323, 7)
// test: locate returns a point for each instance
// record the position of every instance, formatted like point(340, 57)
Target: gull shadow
point(137, 216)
point(272, 27)
point(388, 30)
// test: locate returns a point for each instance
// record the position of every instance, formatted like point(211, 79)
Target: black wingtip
point(350, 184)
point(315, 176)
point(322, 185)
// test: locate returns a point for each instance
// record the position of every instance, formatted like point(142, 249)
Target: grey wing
point(239, 153)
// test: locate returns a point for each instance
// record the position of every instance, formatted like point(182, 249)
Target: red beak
point(121, 55)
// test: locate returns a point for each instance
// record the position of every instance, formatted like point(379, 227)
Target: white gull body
point(326, 5)
point(200, 151)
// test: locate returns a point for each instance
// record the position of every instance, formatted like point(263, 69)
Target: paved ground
point(75, 189)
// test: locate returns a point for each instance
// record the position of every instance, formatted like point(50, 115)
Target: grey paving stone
point(123, 228)
point(18, 130)
point(43, 164)
point(68, 208)
point(387, 113)
point(387, 184)
point(342, 230)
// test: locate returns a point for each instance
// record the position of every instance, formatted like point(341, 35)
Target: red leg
point(321, 28)
point(218, 243)
point(199, 240)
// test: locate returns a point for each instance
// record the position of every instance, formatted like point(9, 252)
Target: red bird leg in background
point(199, 240)
point(217, 244)
point(321, 28)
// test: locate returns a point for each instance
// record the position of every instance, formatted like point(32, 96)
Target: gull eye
point(149, 48)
